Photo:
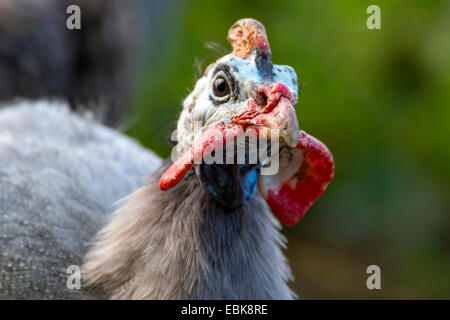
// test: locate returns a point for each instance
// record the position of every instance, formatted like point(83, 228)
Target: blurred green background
point(379, 99)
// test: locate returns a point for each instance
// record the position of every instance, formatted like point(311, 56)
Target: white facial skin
point(201, 109)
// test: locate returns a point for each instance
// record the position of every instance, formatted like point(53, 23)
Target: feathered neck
point(181, 244)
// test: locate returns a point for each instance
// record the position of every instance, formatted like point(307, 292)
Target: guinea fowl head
point(239, 131)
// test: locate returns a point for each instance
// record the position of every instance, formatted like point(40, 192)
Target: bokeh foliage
point(379, 99)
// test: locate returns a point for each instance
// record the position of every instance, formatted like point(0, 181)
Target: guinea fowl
point(200, 229)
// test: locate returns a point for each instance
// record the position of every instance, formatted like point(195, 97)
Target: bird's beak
point(272, 109)
point(286, 122)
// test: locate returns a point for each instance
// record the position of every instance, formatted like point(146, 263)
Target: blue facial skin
point(249, 178)
point(229, 184)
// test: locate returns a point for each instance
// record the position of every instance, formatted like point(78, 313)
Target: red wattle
point(215, 136)
point(289, 200)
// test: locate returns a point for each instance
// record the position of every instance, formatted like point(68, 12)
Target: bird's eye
point(221, 88)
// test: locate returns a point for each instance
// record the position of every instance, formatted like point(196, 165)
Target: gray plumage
point(60, 176)
point(182, 244)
